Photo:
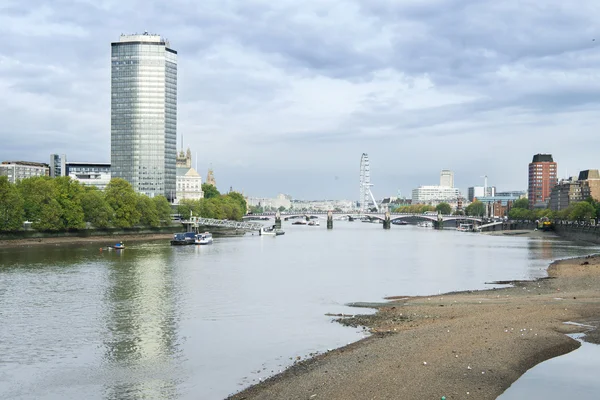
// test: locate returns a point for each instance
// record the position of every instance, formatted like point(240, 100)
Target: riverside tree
point(40, 204)
point(123, 200)
point(210, 191)
point(95, 208)
point(12, 213)
point(68, 195)
point(475, 209)
point(443, 208)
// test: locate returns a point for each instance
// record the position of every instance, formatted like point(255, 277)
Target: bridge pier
point(387, 223)
point(439, 224)
point(329, 220)
point(277, 220)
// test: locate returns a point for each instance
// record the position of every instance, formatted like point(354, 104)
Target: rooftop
point(542, 158)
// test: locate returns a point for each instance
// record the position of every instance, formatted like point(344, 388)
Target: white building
point(189, 185)
point(18, 170)
point(447, 178)
point(429, 194)
point(281, 200)
point(89, 174)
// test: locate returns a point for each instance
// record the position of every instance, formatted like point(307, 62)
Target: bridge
point(381, 216)
point(196, 222)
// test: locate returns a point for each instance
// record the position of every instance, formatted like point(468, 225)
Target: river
point(202, 322)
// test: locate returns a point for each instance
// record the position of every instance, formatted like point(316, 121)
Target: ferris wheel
point(366, 196)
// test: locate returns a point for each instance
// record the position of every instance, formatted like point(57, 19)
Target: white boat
point(314, 222)
point(203, 238)
point(271, 231)
point(465, 228)
point(425, 224)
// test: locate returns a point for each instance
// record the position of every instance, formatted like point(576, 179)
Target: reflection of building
point(476, 192)
point(542, 178)
point(58, 165)
point(447, 178)
point(144, 113)
point(90, 174)
point(18, 170)
point(210, 178)
point(570, 191)
point(431, 194)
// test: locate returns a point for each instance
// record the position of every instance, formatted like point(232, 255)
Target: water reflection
point(141, 325)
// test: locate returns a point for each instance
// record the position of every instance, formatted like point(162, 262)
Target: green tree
point(163, 210)
point(582, 211)
point(69, 193)
point(95, 208)
point(186, 207)
point(41, 207)
point(256, 209)
point(147, 209)
point(12, 213)
point(476, 208)
point(239, 198)
point(444, 208)
point(123, 200)
point(521, 203)
point(281, 208)
point(210, 191)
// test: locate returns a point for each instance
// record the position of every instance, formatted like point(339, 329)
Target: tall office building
point(542, 178)
point(144, 114)
point(447, 178)
point(58, 165)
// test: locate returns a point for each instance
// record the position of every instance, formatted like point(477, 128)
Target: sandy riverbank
point(101, 240)
point(458, 345)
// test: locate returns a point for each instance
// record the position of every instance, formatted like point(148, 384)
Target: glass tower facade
point(144, 114)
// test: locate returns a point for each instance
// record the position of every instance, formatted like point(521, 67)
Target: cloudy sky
point(285, 96)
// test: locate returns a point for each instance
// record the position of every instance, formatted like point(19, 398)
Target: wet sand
point(459, 345)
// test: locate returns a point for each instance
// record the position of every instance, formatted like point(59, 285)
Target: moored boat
point(271, 231)
point(203, 238)
point(118, 246)
point(299, 222)
point(314, 222)
point(182, 239)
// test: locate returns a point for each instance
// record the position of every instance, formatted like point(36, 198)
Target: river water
point(202, 322)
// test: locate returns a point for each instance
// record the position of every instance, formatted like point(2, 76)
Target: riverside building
point(144, 113)
point(542, 178)
point(18, 170)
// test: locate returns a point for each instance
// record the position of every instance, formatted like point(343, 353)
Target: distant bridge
point(381, 216)
point(196, 222)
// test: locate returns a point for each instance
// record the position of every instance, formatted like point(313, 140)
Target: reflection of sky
point(190, 322)
point(140, 335)
point(571, 376)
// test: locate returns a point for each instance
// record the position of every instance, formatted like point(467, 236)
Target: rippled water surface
point(201, 322)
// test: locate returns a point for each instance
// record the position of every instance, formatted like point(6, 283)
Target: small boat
point(182, 239)
point(299, 222)
point(465, 228)
point(426, 224)
point(118, 246)
point(203, 238)
point(399, 222)
point(314, 222)
point(271, 231)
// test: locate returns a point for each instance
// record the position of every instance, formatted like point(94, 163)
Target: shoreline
point(458, 345)
point(106, 239)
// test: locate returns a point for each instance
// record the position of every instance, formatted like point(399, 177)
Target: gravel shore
point(459, 345)
point(104, 240)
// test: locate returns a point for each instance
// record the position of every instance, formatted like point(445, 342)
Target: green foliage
point(69, 195)
point(582, 211)
point(521, 203)
point(163, 210)
point(281, 208)
point(40, 204)
point(121, 197)
point(222, 207)
point(444, 208)
point(147, 209)
point(12, 213)
point(210, 191)
point(239, 198)
point(476, 209)
point(95, 208)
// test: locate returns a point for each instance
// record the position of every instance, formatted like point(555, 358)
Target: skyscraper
point(542, 178)
point(144, 113)
point(447, 178)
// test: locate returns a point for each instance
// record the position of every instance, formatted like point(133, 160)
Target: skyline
point(271, 95)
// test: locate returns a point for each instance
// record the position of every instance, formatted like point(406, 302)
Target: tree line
point(230, 206)
point(63, 204)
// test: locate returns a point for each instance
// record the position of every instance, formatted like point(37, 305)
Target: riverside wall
point(583, 233)
point(84, 233)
